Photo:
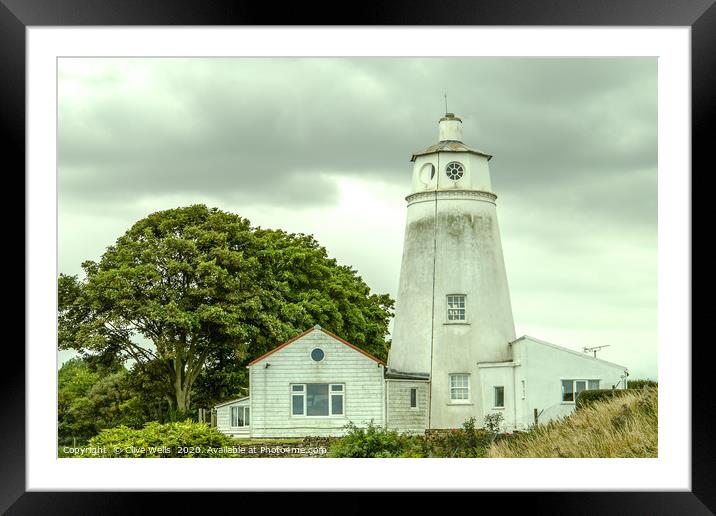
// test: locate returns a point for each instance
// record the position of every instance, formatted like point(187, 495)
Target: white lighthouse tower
point(453, 308)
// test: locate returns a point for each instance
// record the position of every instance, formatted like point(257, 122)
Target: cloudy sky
point(322, 146)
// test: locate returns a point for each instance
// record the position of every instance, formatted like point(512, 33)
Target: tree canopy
point(184, 290)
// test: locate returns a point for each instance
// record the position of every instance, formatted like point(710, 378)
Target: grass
point(626, 426)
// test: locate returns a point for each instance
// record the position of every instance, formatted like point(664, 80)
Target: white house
point(454, 353)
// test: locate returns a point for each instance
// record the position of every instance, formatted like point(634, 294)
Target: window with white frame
point(499, 401)
point(413, 397)
point(460, 388)
point(524, 389)
point(570, 388)
point(317, 399)
point(240, 417)
point(456, 307)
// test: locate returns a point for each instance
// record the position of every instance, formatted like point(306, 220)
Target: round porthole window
point(454, 170)
point(317, 354)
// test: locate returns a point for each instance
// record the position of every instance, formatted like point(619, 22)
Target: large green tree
point(188, 287)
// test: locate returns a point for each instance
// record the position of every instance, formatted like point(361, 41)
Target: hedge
point(178, 439)
point(588, 397)
point(640, 384)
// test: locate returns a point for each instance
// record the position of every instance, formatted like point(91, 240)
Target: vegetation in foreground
point(176, 439)
point(623, 426)
point(377, 441)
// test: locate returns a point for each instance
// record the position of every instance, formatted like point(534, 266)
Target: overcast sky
point(322, 146)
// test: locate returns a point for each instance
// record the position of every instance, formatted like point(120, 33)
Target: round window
point(454, 170)
point(317, 354)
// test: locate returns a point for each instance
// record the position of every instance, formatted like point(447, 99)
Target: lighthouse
point(453, 356)
point(453, 313)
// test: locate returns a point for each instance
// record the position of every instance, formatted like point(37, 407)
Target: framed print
point(222, 244)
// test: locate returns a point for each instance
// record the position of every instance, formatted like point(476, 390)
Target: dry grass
point(626, 426)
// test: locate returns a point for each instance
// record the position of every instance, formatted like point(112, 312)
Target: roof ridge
point(313, 328)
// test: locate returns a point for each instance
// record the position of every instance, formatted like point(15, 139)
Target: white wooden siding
point(271, 378)
point(223, 419)
point(401, 416)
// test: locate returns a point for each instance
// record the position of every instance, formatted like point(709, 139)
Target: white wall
point(544, 366)
point(498, 375)
point(271, 395)
point(223, 419)
point(401, 416)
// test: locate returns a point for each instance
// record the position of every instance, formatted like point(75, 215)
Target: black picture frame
point(17, 15)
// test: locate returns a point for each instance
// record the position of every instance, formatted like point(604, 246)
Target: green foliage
point(377, 441)
point(640, 384)
point(493, 422)
point(588, 397)
point(371, 441)
point(203, 287)
point(176, 439)
point(467, 441)
point(74, 408)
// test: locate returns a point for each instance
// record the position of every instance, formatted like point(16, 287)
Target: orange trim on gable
point(359, 350)
point(274, 350)
point(352, 346)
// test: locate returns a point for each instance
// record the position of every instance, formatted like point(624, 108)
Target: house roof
point(449, 146)
point(562, 348)
point(402, 375)
point(230, 402)
point(316, 328)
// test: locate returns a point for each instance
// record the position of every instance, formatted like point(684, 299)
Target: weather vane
point(446, 109)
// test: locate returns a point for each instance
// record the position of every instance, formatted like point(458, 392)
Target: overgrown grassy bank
point(626, 426)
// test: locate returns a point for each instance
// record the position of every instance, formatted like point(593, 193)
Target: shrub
point(371, 441)
point(493, 422)
point(640, 384)
point(467, 441)
point(177, 439)
point(588, 397)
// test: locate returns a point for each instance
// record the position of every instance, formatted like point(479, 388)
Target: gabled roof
point(230, 402)
point(316, 328)
point(450, 146)
point(402, 375)
point(562, 348)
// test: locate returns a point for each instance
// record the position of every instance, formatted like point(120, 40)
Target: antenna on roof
point(446, 110)
point(595, 349)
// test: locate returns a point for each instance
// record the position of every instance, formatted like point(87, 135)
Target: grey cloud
point(574, 144)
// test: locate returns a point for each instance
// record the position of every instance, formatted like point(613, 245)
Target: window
point(499, 397)
point(317, 354)
point(460, 388)
point(456, 307)
point(317, 399)
point(524, 389)
point(427, 173)
point(413, 397)
point(454, 170)
point(570, 388)
point(240, 416)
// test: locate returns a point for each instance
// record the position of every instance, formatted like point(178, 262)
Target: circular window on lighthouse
point(454, 170)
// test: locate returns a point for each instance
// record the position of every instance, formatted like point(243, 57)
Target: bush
point(589, 397)
point(377, 441)
point(640, 384)
point(469, 441)
point(178, 439)
point(371, 441)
